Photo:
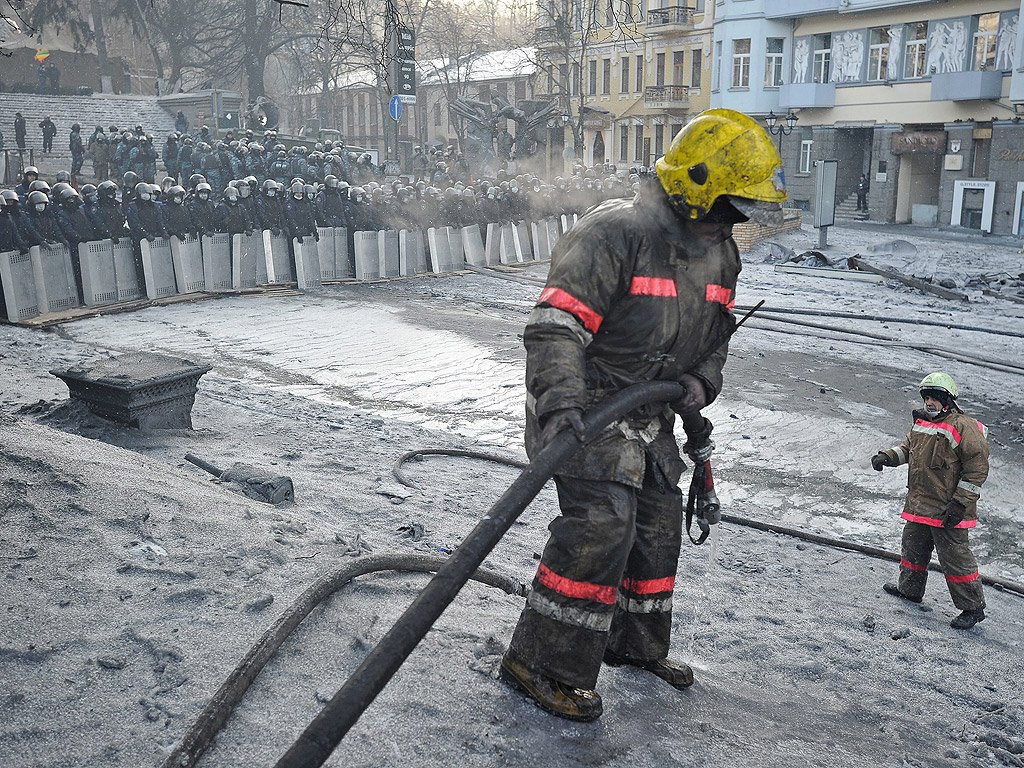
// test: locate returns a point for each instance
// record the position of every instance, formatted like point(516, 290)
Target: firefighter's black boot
point(675, 673)
point(893, 589)
point(968, 619)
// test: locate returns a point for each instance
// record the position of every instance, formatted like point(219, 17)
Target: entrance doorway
point(599, 148)
point(917, 189)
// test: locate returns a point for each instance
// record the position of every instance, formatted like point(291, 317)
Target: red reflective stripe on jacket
point(936, 521)
point(649, 586)
point(580, 589)
point(653, 286)
point(940, 425)
point(558, 298)
point(911, 566)
point(719, 294)
point(958, 579)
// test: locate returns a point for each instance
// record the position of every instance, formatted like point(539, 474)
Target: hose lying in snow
point(397, 469)
point(198, 737)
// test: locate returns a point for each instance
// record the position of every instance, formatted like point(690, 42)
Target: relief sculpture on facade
point(895, 53)
point(947, 47)
point(1006, 49)
point(847, 57)
point(801, 54)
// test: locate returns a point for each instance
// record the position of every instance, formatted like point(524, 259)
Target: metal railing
point(666, 95)
point(671, 16)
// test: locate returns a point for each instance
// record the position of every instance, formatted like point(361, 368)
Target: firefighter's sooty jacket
point(948, 459)
point(631, 297)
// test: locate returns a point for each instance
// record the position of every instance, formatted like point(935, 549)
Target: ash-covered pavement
point(133, 585)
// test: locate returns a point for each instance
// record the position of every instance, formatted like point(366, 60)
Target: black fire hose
point(320, 738)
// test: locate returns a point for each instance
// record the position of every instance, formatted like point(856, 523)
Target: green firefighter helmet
point(940, 381)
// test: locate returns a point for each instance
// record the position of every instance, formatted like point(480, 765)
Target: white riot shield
point(189, 258)
point(54, 278)
point(419, 250)
point(455, 247)
point(388, 253)
point(539, 233)
point(158, 269)
point(96, 261)
point(343, 260)
point(246, 255)
point(19, 286)
point(553, 232)
point(367, 258)
point(566, 223)
point(267, 270)
point(307, 263)
point(508, 250)
point(125, 273)
point(473, 246)
point(522, 229)
point(440, 250)
point(327, 252)
point(492, 253)
point(216, 262)
point(282, 259)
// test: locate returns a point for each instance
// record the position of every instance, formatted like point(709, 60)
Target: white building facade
point(924, 98)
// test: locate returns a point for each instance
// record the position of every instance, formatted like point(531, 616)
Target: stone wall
point(749, 234)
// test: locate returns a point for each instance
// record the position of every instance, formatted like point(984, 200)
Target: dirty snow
point(133, 583)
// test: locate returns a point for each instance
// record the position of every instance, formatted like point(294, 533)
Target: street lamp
point(781, 130)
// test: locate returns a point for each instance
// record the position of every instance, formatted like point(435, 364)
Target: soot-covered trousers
point(605, 580)
point(955, 556)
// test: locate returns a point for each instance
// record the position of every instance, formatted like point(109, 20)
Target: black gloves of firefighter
point(879, 460)
point(953, 515)
point(559, 421)
point(696, 396)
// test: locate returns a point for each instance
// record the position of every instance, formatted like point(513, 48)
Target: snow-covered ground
point(133, 585)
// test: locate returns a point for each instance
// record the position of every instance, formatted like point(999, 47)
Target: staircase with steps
point(848, 209)
point(88, 111)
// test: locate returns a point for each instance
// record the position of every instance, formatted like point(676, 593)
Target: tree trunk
point(101, 44)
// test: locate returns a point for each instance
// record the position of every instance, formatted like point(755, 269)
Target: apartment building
point(628, 74)
point(925, 98)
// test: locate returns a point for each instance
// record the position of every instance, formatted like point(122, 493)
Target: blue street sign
point(395, 108)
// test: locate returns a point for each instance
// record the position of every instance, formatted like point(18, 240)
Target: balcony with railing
point(669, 19)
point(667, 96)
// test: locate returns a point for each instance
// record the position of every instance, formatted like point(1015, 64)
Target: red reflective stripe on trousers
point(649, 586)
point(558, 298)
point(653, 286)
point(719, 294)
point(581, 589)
point(936, 522)
point(971, 577)
point(911, 566)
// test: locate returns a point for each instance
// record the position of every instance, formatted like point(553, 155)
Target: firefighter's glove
point(879, 460)
point(954, 514)
point(559, 421)
point(695, 398)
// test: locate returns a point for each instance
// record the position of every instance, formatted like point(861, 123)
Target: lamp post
point(778, 129)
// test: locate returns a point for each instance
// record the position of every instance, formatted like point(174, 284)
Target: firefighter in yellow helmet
point(638, 290)
point(947, 454)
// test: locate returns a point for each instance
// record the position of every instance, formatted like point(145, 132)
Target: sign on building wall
point(905, 142)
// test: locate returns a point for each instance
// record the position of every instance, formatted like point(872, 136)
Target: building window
point(638, 146)
point(741, 63)
point(639, 74)
point(563, 78)
point(878, 53)
point(915, 55)
point(350, 113)
point(502, 90)
point(624, 83)
point(659, 69)
point(437, 112)
point(576, 86)
point(362, 116)
point(806, 148)
point(716, 78)
point(609, 13)
point(606, 77)
point(822, 58)
point(675, 128)
point(592, 77)
point(773, 62)
point(980, 151)
point(985, 42)
point(551, 78)
point(520, 90)
point(659, 140)
point(678, 67)
point(695, 68)
point(624, 144)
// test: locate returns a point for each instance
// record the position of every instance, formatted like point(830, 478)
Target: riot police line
point(60, 249)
